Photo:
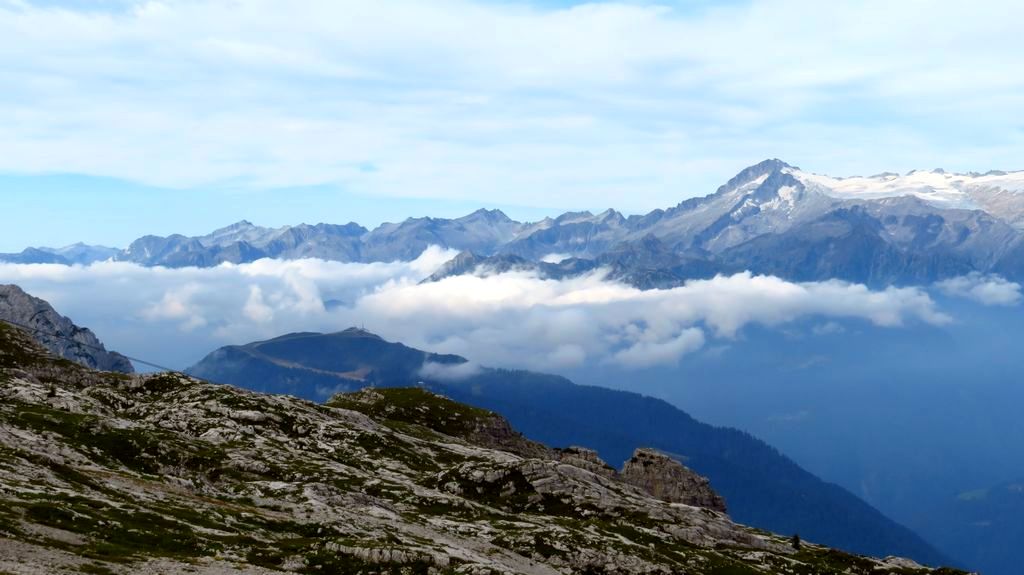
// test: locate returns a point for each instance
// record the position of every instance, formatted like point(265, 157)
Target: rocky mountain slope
point(773, 218)
point(770, 218)
point(58, 333)
point(762, 487)
point(650, 470)
point(160, 473)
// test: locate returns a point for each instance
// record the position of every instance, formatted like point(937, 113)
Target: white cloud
point(178, 315)
point(646, 353)
point(984, 289)
point(177, 304)
point(256, 308)
point(449, 371)
point(555, 258)
point(608, 103)
point(516, 319)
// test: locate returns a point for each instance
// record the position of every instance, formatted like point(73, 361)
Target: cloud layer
point(508, 320)
point(446, 98)
point(984, 289)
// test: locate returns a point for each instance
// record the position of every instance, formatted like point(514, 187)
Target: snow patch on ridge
point(941, 189)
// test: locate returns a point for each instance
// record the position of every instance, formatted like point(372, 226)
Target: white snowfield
point(943, 190)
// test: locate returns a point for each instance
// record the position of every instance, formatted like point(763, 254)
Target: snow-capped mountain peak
point(936, 187)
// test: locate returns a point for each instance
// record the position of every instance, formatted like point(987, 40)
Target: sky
point(122, 118)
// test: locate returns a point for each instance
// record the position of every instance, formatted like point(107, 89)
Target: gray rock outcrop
point(668, 480)
point(68, 340)
point(586, 459)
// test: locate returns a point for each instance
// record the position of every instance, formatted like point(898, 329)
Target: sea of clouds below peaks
point(512, 319)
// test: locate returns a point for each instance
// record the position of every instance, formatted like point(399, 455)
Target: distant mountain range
point(762, 487)
point(770, 218)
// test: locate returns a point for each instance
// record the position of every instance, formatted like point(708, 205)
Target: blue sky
point(60, 209)
point(123, 118)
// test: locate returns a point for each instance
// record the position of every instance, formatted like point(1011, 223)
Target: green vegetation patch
point(144, 451)
point(834, 561)
point(114, 533)
point(15, 351)
point(415, 406)
point(163, 383)
point(510, 493)
point(323, 561)
point(9, 523)
point(412, 456)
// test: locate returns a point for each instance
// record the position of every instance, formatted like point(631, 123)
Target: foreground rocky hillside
point(113, 473)
point(763, 487)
